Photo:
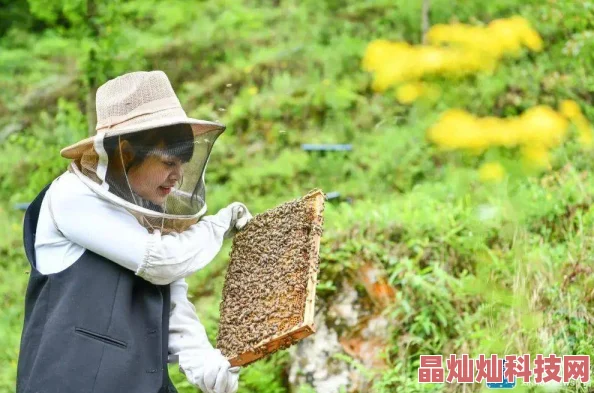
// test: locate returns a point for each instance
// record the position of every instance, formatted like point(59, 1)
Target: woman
point(110, 242)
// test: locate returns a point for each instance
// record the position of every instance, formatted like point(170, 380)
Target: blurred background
point(460, 213)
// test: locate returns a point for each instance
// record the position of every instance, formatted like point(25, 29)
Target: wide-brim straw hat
point(136, 102)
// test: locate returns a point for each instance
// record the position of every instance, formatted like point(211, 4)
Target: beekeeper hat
point(140, 117)
point(134, 102)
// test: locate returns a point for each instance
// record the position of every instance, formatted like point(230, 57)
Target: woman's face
point(155, 176)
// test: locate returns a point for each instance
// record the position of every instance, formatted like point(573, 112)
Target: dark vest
point(95, 327)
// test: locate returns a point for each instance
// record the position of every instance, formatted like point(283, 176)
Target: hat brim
point(198, 127)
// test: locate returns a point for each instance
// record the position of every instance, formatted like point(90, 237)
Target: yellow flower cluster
point(469, 49)
point(499, 38)
point(410, 92)
point(491, 172)
point(572, 111)
point(394, 63)
point(535, 132)
point(458, 129)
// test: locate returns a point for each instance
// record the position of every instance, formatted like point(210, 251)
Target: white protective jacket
point(73, 218)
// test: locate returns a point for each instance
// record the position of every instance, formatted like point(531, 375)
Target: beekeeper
point(110, 242)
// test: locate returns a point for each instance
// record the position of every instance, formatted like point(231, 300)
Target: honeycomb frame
point(294, 331)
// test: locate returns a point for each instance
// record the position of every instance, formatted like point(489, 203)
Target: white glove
point(210, 371)
point(236, 216)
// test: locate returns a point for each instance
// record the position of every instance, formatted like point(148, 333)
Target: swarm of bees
point(266, 286)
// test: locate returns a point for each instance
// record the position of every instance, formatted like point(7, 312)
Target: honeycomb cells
point(266, 285)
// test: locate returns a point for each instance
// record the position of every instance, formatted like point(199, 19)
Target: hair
point(177, 140)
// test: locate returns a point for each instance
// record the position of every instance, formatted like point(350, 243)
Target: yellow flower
point(570, 109)
point(536, 156)
point(533, 41)
point(409, 93)
point(539, 126)
point(378, 52)
point(501, 132)
point(504, 37)
point(584, 129)
point(454, 50)
point(491, 172)
point(457, 129)
point(430, 59)
point(499, 38)
point(528, 35)
point(374, 50)
point(542, 125)
point(459, 34)
point(585, 139)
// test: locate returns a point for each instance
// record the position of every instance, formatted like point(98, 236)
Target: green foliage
point(72, 11)
point(29, 162)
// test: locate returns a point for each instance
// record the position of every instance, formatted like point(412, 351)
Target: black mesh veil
point(156, 173)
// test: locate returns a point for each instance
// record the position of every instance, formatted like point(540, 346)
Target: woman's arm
point(110, 231)
point(203, 365)
point(185, 329)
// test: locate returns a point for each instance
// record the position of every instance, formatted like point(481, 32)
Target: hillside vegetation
point(478, 259)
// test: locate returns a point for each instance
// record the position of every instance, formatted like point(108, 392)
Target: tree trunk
point(91, 112)
point(91, 71)
point(425, 19)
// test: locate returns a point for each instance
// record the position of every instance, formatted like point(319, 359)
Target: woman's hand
point(236, 215)
point(241, 215)
point(211, 372)
point(217, 375)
